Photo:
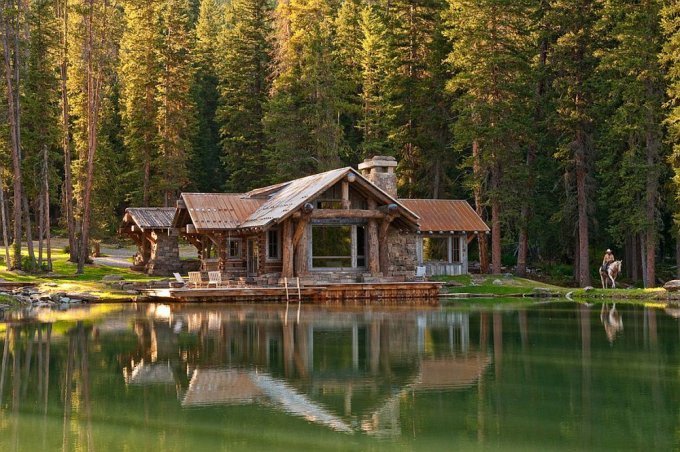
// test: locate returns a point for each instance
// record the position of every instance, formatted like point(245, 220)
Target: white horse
point(611, 274)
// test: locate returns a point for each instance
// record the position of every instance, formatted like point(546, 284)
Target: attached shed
point(156, 239)
point(447, 226)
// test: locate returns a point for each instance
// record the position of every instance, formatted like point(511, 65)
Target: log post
point(300, 240)
point(221, 251)
point(287, 255)
point(382, 239)
point(345, 195)
point(372, 235)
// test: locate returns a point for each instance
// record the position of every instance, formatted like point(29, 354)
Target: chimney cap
point(378, 160)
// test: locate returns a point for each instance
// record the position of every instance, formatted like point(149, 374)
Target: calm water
point(219, 377)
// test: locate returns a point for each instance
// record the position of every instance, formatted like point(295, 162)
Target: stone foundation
point(164, 259)
point(401, 249)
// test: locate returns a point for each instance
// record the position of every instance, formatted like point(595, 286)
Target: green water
point(553, 376)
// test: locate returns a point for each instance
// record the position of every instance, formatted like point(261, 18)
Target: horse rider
point(607, 260)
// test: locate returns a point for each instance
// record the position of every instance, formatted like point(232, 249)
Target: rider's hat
point(608, 250)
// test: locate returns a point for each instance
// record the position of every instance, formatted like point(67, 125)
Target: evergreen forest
point(558, 120)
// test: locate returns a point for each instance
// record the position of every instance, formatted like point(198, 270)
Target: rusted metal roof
point(295, 193)
point(219, 211)
point(445, 215)
point(151, 217)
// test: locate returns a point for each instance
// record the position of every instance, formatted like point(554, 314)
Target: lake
point(494, 375)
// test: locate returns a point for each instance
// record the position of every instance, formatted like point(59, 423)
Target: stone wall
point(164, 258)
point(402, 253)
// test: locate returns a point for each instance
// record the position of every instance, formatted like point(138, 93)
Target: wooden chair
point(215, 278)
point(195, 279)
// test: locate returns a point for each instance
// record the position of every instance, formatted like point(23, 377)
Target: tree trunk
point(495, 221)
point(66, 138)
point(479, 208)
point(41, 225)
point(582, 201)
point(14, 133)
point(29, 228)
point(677, 255)
point(46, 204)
point(643, 259)
point(3, 213)
point(652, 145)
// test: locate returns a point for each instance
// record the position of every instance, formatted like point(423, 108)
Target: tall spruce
point(176, 120)
point(244, 74)
point(302, 121)
point(633, 135)
point(573, 62)
point(206, 174)
point(492, 51)
point(139, 72)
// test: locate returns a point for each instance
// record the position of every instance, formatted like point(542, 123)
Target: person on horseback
point(607, 260)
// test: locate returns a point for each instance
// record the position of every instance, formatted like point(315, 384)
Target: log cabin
point(343, 225)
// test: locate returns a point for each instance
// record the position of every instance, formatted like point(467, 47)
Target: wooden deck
point(404, 293)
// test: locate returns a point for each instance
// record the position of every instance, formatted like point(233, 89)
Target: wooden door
point(252, 261)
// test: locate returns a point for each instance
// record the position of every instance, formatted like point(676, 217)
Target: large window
point(338, 246)
point(436, 249)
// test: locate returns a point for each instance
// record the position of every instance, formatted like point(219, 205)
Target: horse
point(612, 321)
point(612, 272)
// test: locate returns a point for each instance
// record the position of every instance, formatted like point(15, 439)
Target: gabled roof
point(292, 195)
point(150, 217)
point(219, 211)
point(446, 215)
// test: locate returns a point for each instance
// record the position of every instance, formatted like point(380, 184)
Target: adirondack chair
point(195, 279)
point(215, 278)
point(420, 273)
point(178, 282)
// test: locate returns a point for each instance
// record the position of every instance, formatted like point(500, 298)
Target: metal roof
point(219, 210)
point(151, 217)
point(296, 192)
point(445, 215)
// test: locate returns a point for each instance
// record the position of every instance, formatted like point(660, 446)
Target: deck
point(402, 293)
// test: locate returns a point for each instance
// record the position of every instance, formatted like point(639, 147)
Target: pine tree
point(206, 174)
point(303, 116)
point(573, 62)
point(176, 121)
point(670, 57)
point(633, 136)
point(244, 87)
point(492, 44)
point(139, 73)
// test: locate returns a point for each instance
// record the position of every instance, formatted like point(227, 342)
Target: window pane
point(456, 249)
point(436, 249)
point(273, 244)
point(234, 248)
point(331, 246)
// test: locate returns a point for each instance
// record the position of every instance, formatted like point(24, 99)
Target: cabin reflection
point(347, 370)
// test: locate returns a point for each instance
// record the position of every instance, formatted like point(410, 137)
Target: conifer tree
point(139, 73)
point(573, 62)
point(244, 86)
point(492, 49)
point(303, 115)
point(633, 133)
point(206, 173)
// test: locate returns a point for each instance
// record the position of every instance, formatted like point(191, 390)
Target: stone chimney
point(380, 170)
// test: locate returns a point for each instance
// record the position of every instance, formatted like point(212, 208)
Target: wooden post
point(287, 255)
point(300, 240)
point(373, 247)
point(221, 251)
point(345, 195)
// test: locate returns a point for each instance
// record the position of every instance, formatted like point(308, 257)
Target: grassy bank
point(63, 278)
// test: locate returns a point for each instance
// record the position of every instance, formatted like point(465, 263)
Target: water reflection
point(181, 375)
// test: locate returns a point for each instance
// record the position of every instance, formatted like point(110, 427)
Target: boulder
point(497, 282)
point(588, 288)
point(112, 278)
point(672, 285)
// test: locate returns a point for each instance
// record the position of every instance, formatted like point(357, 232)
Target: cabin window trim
point(358, 248)
point(234, 248)
point(276, 254)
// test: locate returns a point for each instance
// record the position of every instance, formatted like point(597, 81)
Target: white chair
point(178, 282)
point(420, 273)
point(215, 278)
point(195, 279)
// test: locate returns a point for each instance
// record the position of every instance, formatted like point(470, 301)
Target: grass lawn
point(493, 285)
point(64, 275)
